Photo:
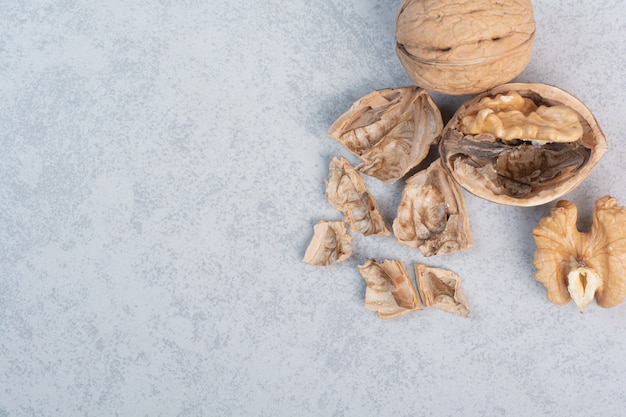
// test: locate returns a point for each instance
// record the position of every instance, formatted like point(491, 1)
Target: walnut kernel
point(579, 266)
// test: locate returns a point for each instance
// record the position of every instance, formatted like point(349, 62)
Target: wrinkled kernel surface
point(511, 116)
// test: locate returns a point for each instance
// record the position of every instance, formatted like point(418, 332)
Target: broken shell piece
point(391, 131)
point(576, 265)
point(431, 215)
point(330, 243)
point(389, 290)
point(522, 144)
point(346, 192)
point(441, 288)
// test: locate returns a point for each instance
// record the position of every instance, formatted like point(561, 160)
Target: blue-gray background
point(161, 168)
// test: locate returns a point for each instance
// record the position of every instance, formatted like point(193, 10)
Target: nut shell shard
point(330, 244)
point(548, 146)
point(346, 192)
point(576, 265)
point(441, 288)
point(390, 130)
point(389, 290)
point(432, 215)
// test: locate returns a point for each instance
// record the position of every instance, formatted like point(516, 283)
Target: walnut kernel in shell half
point(522, 144)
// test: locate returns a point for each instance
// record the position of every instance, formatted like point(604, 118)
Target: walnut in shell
point(432, 215)
point(579, 266)
point(441, 288)
point(330, 243)
point(522, 144)
point(391, 131)
point(464, 47)
point(346, 192)
point(389, 290)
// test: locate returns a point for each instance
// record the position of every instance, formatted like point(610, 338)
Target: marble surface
point(162, 167)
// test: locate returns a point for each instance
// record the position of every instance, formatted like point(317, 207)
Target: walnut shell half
point(522, 144)
point(464, 47)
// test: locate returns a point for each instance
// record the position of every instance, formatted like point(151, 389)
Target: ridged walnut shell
point(390, 130)
point(464, 47)
point(432, 215)
point(538, 166)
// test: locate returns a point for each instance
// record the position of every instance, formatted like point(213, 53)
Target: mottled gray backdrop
point(161, 168)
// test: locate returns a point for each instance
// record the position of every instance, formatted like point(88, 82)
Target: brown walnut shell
point(526, 157)
point(389, 290)
point(457, 48)
point(441, 288)
point(390, 130)
point(432, 215)
point(330, 243)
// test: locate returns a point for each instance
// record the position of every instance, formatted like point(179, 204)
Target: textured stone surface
point(162, 167)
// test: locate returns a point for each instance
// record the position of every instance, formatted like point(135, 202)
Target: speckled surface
point(162, 167)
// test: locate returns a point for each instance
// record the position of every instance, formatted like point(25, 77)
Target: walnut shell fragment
point(464, 47)
point(390, 130)
point(346, 192)
point(389, 290)
point(330, 244)
point(441, 288)
point(432, 215)
point(579, 266)
point(522, 144)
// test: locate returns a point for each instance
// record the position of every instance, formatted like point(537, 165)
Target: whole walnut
point(464, 47)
